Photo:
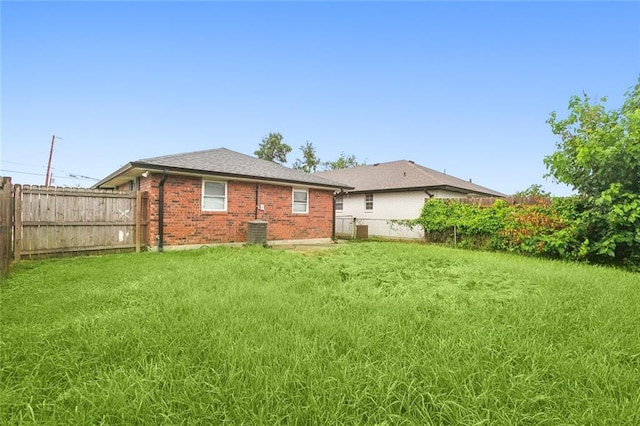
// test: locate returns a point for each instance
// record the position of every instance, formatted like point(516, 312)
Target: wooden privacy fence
point(53, 221)
point(489, 201)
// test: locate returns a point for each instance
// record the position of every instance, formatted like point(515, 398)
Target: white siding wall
point(396, 205)
point(386, 206)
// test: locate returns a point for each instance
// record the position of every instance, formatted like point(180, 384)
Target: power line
point(68, 173)
point(49, 173)
point(23, 173)
point(82, 177)
point(72, 174)
point(68, 176)
point(18, 164)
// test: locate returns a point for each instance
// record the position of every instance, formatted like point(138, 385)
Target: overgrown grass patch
point(370, 333)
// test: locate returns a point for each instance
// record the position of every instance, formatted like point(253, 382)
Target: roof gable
point(221, 162)
point(402, 175)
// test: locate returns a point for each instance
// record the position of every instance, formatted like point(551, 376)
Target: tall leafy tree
point(310, 161)
point(273, 149)
point(598, 154)
point(343, 162)
point(597, 147)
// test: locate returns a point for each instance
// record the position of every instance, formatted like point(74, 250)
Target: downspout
point(161, 212)
point(257, 199)
point(333, 218)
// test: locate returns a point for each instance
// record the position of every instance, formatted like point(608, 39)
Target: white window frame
point(341, 198)
point(293, 200)
point(224, 197)
point(366, 202)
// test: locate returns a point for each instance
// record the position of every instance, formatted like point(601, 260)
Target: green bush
point(604, 230)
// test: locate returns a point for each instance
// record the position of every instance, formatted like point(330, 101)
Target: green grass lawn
point(369, 333)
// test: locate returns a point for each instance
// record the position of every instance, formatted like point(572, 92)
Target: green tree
point(534, 191)
point(343, 162)
point(597, 147)
point(598, 154)
point(273, 149)
point(310, 161)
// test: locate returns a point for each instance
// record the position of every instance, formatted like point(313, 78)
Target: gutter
point(161, 212)
point(134, 167)
point(427, 189)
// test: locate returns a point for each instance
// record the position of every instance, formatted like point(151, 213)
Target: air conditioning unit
point(257, 232)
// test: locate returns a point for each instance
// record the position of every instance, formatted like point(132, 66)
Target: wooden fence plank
point(17, 223)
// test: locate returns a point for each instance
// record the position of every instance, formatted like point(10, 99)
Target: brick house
point(213, 197)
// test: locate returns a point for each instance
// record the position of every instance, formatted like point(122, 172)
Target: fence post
point(138, 219)
point(6, 223)
point(17, 223)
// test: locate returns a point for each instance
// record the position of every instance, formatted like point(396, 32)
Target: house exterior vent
point(257, 232)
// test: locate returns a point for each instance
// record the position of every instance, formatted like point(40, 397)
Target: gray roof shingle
point(225, 162)
point(402, 175)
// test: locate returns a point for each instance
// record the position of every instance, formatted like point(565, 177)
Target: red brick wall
point(186, 224)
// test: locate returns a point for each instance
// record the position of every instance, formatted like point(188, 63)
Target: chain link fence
point(349, 227)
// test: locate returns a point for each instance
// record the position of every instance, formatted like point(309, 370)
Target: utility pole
point(47, 178)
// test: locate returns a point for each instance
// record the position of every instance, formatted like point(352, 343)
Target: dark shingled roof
point(223, 162)
point(403, 175)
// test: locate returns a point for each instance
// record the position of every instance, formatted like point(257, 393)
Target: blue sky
point(464, 87)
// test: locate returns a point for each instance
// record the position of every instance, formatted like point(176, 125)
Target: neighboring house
point(394, 190)
point(210, 197)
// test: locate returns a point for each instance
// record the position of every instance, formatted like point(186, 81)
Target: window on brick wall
point(368, 202)
point(214, 196)
point(339, 203)
point(300, 201)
